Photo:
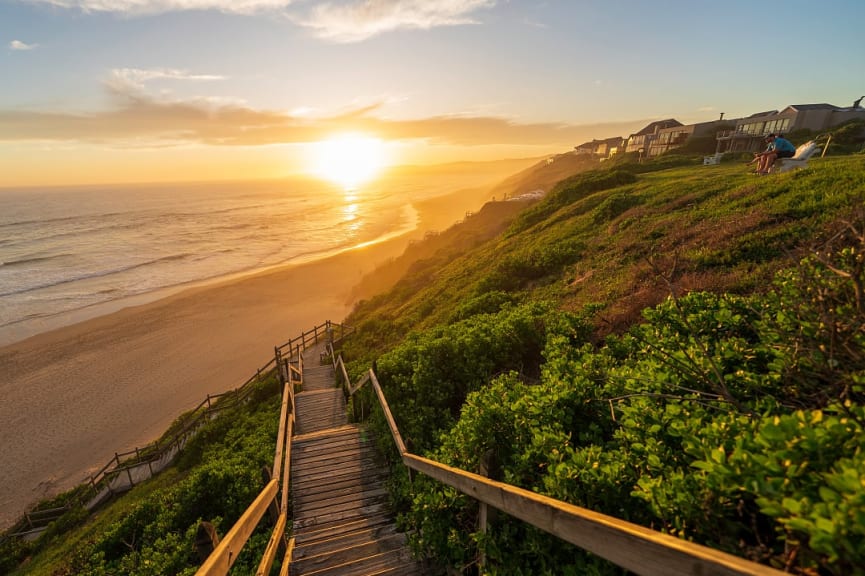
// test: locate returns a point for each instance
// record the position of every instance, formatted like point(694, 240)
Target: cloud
point(335, 20)
point(141, 7)
point(129, 80)
point(706, 109)
point(18, 45)
point(358, 20)
point(142, 120)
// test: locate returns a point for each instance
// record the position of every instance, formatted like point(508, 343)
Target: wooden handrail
point(636, 548)
point(223, 557)
point(283, 507)
point(280, 435)
point(394, 431)
point(288, 553)
point(272, 547)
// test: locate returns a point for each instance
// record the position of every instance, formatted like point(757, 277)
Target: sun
point(348, 159)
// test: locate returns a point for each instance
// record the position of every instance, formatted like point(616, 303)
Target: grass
point(625, 239)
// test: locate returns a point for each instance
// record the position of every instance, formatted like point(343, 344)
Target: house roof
point(659, 125)
point(823, 106)
point(595, 142)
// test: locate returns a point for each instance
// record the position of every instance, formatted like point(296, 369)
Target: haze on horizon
point(99, 91)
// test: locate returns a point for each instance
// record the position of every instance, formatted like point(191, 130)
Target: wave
point(32, 259)
point(44, 221)
point(100, 274)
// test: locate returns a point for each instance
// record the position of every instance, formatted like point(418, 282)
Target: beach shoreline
point(74, 395)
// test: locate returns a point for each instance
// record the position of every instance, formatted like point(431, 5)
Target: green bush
point(732, 421)
point(569, 191)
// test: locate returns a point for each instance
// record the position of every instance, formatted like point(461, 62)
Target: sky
point(96, 91)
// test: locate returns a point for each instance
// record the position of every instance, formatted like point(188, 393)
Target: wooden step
point(341, 522)
point(361, 566)
point(312, 534)
point(340, 549)
point(345, 515)
point(313, 438)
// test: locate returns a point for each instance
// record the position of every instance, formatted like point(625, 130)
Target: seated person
point(778, 148)
point(770, 145)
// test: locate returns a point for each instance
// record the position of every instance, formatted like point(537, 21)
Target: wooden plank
point(272, 547)
point(350, 500)
point(303, 439)
point(328, 531)
point(220, 562)
point(351, 554)
point(341, 516)
point(341, 482)
point(337, 452)
point(369, 565)
point(636, 548)
point(340, 539)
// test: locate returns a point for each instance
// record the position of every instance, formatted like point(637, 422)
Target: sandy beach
point(71, 397)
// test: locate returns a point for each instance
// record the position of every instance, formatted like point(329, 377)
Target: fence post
point(206, 540)
point(483, 470)
point(277, 359)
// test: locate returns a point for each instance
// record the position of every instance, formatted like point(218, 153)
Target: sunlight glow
point(349, 159)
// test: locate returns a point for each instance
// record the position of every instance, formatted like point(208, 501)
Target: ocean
point(67, 254)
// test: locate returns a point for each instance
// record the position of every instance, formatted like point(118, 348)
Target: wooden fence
point(633, 547)
point(126, 469)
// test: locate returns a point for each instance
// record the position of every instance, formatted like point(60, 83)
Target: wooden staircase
point(342, 525)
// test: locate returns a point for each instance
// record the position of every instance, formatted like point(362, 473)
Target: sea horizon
point(73, 253)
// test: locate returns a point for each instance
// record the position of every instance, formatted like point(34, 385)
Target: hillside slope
point(646, 342)
point(623, 239)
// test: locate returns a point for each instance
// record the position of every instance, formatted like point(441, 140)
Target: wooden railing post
point(206, 540)
point(483, 470)
point(278, 361)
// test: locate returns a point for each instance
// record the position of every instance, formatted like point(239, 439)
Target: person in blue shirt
point(778, 148)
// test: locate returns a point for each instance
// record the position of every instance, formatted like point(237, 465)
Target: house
point(601, 148)
point(640, 141)
point(670, 138)
point(750, 132)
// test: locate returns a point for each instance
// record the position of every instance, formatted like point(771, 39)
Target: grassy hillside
point(621, 238)
point(152, 528)
point(677, 345)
